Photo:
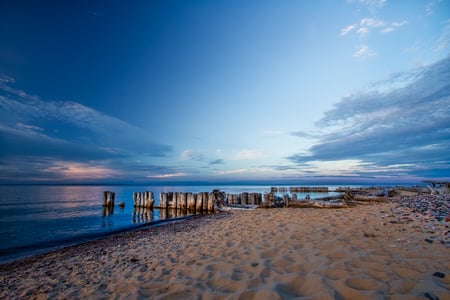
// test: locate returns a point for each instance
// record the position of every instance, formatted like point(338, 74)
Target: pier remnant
point(108, 198)
point(143, 199)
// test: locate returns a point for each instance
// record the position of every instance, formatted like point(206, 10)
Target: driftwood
point(317, 204)
point(337, 197)
point(363, 198)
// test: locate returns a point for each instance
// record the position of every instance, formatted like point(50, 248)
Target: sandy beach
point(373, 251)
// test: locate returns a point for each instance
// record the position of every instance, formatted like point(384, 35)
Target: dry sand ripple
point(354, 253)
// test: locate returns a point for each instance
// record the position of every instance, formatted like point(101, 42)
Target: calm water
point(36, 218)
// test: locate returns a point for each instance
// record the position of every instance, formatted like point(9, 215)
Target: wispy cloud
point(370, 4)
point(366, 25)
point(164, 176)
point(192, 155)
point(444, 39)
point(405, 130)
point(18, 107)
point(249, 155)
point(363, 51)
point(66, 131)
point(272, 133)
point(218, 161)
point(305, 135)
point(347, 29)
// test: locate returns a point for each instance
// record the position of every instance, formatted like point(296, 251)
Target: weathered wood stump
point(163, 202)
point(108, 198)
point(199, 203)
point(244, 198)
point(190, 199)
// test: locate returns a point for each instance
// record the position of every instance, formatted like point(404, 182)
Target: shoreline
point(377, 250)
point(58, 245)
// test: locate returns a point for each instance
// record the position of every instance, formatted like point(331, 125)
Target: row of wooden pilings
point(245, 199)
point(188, 201)
point(143, 199)
point(300, 189)
point(198, 202)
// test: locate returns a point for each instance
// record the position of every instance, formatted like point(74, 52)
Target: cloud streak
point(67, 131)
point(403, 130)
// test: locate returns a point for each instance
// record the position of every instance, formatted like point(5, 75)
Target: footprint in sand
point(335, 274)
point(366, 284)
point(304, 286)
point(260, 295)
point(225, 285)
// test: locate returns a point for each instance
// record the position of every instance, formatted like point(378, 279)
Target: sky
point(220, 91)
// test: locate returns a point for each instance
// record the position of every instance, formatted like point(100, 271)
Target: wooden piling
point(170, 200)
point(199, 203)
point(205, 201)
point(244, 198)
point(230, 199)
point(190, 200)
point(183, 200)
point(108, 198)
point(210, 203)
point(163, 200)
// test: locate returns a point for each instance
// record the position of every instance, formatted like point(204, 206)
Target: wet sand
point(374, 251)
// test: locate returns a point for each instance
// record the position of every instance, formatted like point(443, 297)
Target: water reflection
point(142, 215)
point(107, 211)
point(172, 213)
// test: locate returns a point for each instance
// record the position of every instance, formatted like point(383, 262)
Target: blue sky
point(144, 91)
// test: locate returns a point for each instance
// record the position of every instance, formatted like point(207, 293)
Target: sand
point(375, 251)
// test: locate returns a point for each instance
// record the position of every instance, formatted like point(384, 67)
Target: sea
point(40, 218)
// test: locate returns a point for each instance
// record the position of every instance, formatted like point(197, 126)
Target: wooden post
point(236, 199)
point(163, 200)
point(199, 203)
point(170, 200)
point(152, 200)
point(285, 200)
point(211, 200)
point(230, 199)
point(205, 201)
point(252, 199)
point(245, 197)
point(108, 198)
point(190, 201)
point(135, 203)
point(145, 199)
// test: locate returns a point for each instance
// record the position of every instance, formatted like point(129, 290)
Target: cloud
point(363, 51)
point(272, 133)
point(370, 4)
point(404, 130)
point(217, 162)
point(365, 25)
point(249, 155)
point(191, 155)
point(305, 135)
point(163, 176)
point(444, 39)
point(362, 31)
point(71, 122)
point(66, 131)
point(371, 23)
point(346, 30)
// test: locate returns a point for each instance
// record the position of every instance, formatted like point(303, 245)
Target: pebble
point(439, 274)
point(431, 205)
point(431, 296)
point(432, 212)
